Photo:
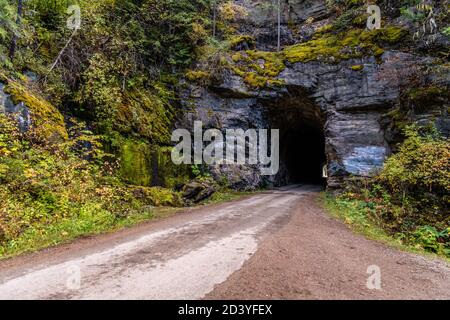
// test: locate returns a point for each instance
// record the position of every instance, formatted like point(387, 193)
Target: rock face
point(337, 113)
point(337, 108)
point(262, 19)
point(31, 109)
point(346, 104)
point(20, 110)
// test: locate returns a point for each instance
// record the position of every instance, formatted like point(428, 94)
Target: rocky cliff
point(339, 95)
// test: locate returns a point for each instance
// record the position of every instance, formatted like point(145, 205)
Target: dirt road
point(277, 244)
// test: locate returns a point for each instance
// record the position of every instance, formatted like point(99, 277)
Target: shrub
point(410, 197)
point(56, 192)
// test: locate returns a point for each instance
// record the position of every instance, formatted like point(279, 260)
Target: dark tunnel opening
point(302, 139)
point(302, 154)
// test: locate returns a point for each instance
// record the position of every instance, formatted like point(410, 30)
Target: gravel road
point(273, 245)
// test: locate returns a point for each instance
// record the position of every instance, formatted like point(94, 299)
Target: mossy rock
point(135, 162)
point(432, 95)
point(169, 174)
point(351, 3)
point(158, 196)
point(145, 113)
point(197, 75)
point(145, 165)
point(425, 98)
point(337, 47)
point(46, 118)
point(238, 42)
point(357, 67)
point(258, 69)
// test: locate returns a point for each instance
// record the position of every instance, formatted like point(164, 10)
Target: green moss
point(432, 95)
point(158, 196)
point(399, 118)
point(254, 80)
point(351, 3)
point(144, 165)
point(145, 113)
point(197, 75)
point(391, 35)
point(238, 71)
point(357, 67)
point(328, 46)
point(424, 99)
point(236, 57)
point(322, 30)
point(135, 162)
point(171, 175)
point(351, 44)
point(47, 119)
point(273, 62)
point(275, 83)
point(237, 40)
point(361, 20)
point(258, 68)
point(378, 52)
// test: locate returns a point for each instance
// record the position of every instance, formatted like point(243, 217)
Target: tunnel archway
point(302, 139)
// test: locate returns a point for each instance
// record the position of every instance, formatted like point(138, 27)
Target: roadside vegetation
point(408, 202)
point(56, 192)
point(101, 103)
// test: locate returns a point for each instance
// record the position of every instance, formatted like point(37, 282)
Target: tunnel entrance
point(302, 154)
point(302, 139)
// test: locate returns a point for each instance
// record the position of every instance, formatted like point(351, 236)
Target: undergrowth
point(55, 192)
point(409, 199)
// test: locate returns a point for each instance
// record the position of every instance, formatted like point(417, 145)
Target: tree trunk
point(12, 48)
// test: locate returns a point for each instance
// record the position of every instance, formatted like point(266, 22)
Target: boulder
point(198, 190)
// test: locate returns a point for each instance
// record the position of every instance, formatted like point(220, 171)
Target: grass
point(102, 222)
point(71, 229)
point(354, 214)
point(227, 195)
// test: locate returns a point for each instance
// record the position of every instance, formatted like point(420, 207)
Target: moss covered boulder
point(145, 165)
point(35, 110)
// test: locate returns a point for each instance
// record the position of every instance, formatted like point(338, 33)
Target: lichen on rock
point(355, 43)
point(46, 119)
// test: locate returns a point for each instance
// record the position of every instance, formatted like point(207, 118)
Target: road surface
point(273, 245)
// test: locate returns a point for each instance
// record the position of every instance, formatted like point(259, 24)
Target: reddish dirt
point(315, 256)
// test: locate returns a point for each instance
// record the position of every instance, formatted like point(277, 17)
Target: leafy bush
point(446, 31)
point(418, 177)
point(432, 240)
point(55, 192)
point(410, 197)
